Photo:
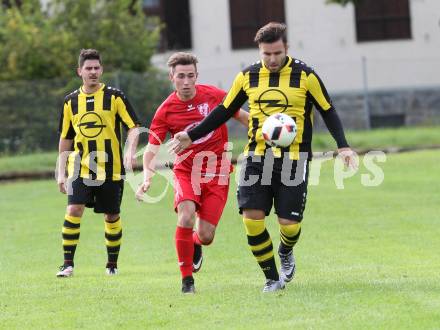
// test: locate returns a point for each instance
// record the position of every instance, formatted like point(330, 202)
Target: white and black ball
point(279, 130)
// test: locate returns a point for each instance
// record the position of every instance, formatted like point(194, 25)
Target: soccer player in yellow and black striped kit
point(272, 175)
point(90, 142)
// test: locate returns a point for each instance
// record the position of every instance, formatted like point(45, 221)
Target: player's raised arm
point(221, 114)
point(182, 140)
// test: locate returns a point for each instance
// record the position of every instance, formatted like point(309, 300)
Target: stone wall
point(392, 108)
point(413, 107)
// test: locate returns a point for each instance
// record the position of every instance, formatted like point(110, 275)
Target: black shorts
point(103, 198)
point(265, 182)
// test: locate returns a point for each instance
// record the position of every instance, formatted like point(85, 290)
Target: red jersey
point(175, 115)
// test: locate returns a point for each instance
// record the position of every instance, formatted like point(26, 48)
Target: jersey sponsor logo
point(203, 109)
point(202, 139)
point(273, 101)
point(90, 125)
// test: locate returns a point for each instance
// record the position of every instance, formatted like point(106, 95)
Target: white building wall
point(323, 36)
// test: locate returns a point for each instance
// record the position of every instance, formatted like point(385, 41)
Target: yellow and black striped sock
point(113, 237)
point(289, 235)
point(261, 246)
point(71, 229)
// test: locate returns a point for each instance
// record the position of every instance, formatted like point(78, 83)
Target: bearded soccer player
point(278, 83)
point(90, 141)
point(201, 176)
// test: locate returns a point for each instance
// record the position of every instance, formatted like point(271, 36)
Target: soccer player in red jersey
point(201, 176)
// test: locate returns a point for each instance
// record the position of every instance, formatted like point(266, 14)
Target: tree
point(29, 47)
point(118, 28)
point(37, 43)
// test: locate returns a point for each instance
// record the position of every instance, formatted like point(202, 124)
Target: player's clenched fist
point(62, 185)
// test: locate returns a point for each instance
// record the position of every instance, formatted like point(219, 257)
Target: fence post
point(366, 99)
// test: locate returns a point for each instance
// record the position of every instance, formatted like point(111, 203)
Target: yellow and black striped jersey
point(94, 123)
point(293, 90)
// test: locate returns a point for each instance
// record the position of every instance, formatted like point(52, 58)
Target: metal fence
point(30, 110)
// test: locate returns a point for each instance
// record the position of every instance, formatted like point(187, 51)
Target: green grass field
point(368, 258)
point(377, 139)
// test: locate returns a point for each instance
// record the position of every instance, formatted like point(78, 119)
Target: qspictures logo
point(366, 169)
point(90, 125)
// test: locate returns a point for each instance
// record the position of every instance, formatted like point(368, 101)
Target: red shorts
point(210, 197)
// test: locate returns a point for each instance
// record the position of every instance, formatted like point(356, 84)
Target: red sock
point(185, 250)
point(196, 239)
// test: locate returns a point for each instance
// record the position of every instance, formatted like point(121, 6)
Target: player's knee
point(111, 217)
point(206, 236)
point(254, 214)
point(75, 210)
point(185, 219)
point(185, 214)
point(287, 222)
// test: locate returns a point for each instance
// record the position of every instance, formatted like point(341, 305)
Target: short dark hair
point(88, 54)
point(182, 58)
point(271, 32)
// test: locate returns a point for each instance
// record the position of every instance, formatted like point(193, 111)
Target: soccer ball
point(279, 130)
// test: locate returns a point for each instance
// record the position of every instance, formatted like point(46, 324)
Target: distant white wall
point(324, 37)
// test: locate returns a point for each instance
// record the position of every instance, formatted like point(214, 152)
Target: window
point(382, 20)
point(151, 3)
point(247, 16)
point(176, 33)
point(9, 3)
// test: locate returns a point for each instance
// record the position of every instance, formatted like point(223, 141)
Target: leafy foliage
point(40, 43)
